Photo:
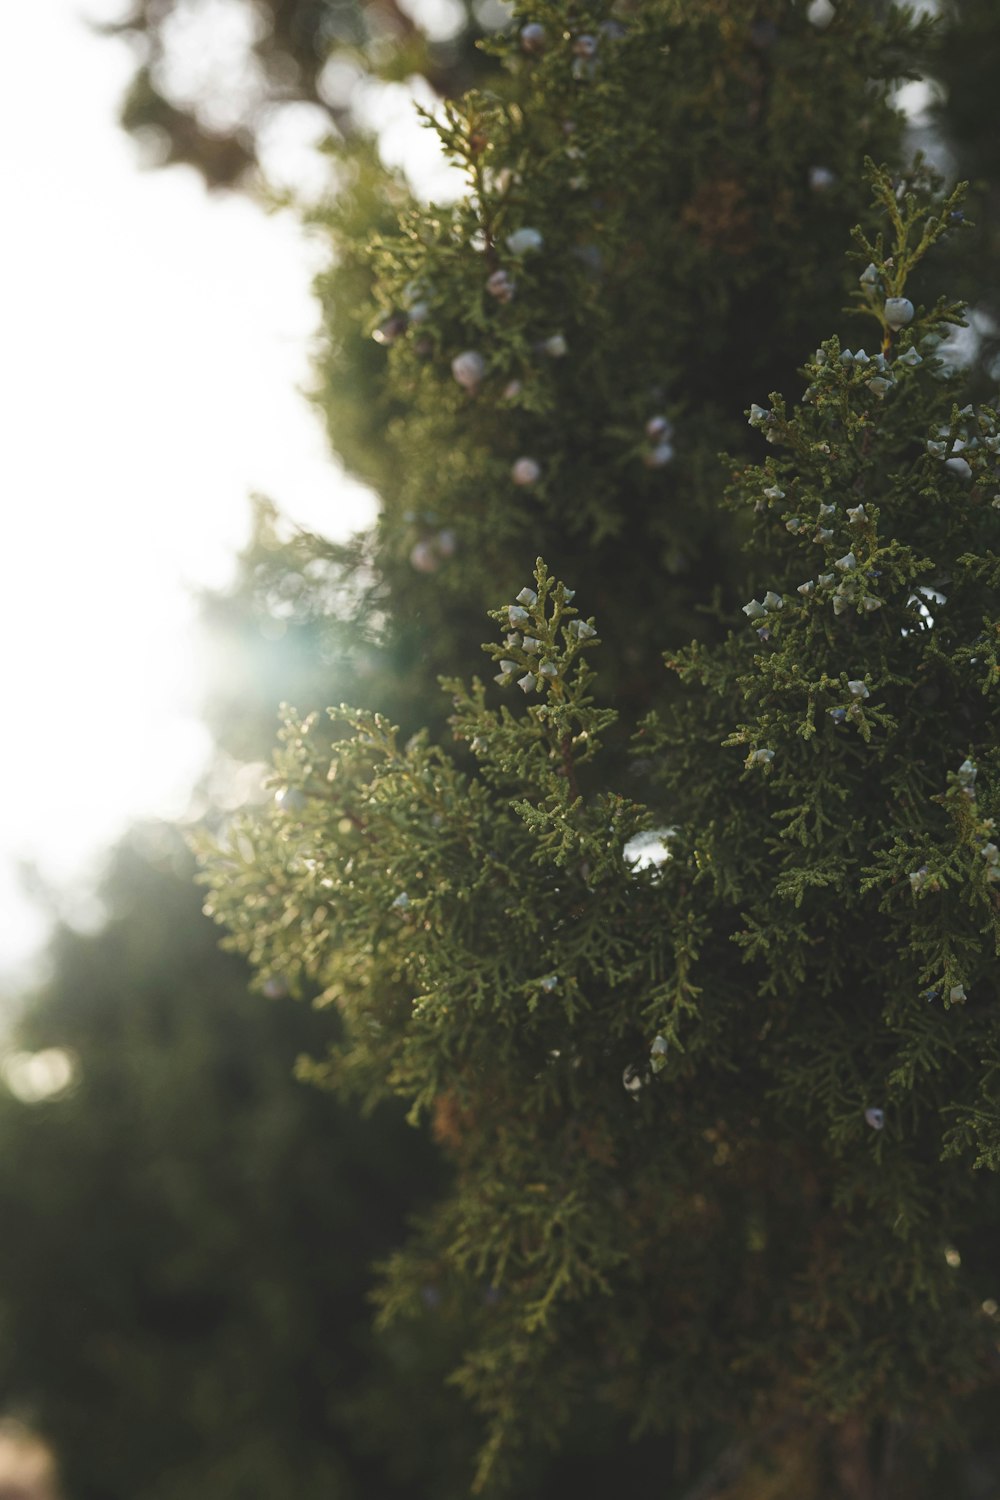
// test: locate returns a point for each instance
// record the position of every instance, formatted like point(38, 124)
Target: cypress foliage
point(693, 973)
point(645, 246)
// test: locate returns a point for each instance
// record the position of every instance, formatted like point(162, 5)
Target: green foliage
point(870, 728)
point(672, 202)
point(798, 991)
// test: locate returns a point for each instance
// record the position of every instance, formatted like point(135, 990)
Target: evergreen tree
point(693, 973)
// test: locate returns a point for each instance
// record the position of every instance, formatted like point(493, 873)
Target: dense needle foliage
point(692, 971)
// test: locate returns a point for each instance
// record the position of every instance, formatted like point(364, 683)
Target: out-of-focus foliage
point(187, 1230)
point(965, 72)
point(214, 75)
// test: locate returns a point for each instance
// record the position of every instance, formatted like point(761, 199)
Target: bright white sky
point(154, 342)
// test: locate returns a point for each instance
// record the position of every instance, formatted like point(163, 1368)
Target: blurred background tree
point(962, 120)
point(272, 55)
point(188, 1232)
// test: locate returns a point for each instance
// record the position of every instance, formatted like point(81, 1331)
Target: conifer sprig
point(920, 215)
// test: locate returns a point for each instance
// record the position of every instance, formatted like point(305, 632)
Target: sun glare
point(155, 346)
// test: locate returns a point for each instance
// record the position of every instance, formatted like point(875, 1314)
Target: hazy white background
point(154, 341)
